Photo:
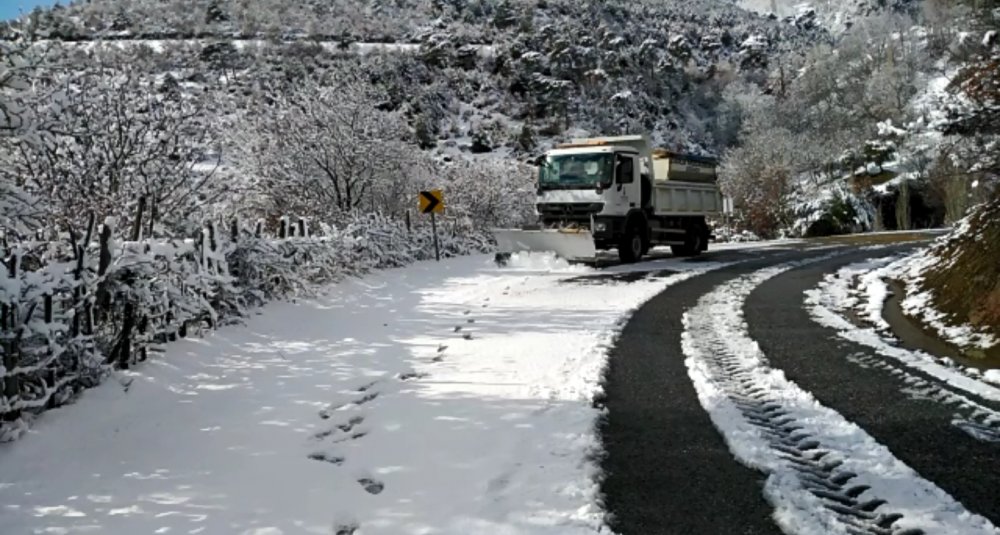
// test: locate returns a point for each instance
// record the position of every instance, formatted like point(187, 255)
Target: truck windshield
point(576, 171)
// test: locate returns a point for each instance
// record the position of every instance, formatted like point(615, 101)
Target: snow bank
point(954, 252)
point(833, 298)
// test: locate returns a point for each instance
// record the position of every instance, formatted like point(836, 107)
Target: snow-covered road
point(458, 397)
point(444, 397)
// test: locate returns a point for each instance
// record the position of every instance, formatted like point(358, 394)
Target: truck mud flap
point(568, 244)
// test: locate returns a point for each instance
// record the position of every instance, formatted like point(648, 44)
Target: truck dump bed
point(676, 198)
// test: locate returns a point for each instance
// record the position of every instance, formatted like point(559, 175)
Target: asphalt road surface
point(668, 468)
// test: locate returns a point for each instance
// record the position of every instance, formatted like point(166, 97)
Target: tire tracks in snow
point(940, 380)
point(664, 468)
point(825, 474)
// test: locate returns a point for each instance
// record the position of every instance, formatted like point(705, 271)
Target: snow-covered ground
point(450, 397)
point(861, 289)
point(836, 296)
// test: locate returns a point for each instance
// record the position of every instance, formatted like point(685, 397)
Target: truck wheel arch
point(636, 218)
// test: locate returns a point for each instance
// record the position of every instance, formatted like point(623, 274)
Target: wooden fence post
point(50, 376)
point(9, 324)
point(213, 247)
point(88, 305)
point(103, 263)
point(153, 214)
point(137, 224)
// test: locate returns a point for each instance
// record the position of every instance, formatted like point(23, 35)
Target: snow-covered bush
point(71, 313)
point(111, 142)
point(832, 210)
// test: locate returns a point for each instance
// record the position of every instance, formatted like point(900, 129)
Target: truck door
point(626, 194)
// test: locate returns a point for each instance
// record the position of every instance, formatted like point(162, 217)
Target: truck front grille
point(569, 209)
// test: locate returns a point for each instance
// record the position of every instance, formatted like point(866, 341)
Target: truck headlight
point(600, 227)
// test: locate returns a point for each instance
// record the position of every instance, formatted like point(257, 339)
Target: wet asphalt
point(916, 429)
point(667, 469)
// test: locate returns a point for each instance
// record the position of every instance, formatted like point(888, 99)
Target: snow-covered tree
point(325, 150)
point(21, 212)
point(759, 176)
point(119, 143)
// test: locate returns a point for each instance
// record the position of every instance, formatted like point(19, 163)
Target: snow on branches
point(324, 149)
point(115, 142)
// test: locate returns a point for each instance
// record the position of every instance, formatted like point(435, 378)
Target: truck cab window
point(625, 170)
point(576, 171)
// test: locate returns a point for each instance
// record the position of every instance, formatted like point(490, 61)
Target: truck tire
point(630, 248)
point(694, 243)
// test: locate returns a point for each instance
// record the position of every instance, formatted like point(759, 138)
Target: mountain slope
point(611, 66)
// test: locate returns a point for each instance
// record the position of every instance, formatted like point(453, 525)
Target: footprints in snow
point(461, 329)
point(327, 458)
point(348, 430)
point(409, 376)
point(371, 486)
point(368, 397)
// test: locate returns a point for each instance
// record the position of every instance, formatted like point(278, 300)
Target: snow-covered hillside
point(557, 66)
point(835, 15)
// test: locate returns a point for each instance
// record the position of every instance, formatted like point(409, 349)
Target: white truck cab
point(615, 192)
point(598, 180)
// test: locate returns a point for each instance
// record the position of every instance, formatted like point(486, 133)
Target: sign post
point(432, 202)
point(434, 226)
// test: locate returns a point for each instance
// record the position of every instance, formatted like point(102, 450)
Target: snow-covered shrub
point(840, 213)
point(67, 322)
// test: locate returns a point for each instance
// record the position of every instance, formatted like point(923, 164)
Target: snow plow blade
point(567, 244)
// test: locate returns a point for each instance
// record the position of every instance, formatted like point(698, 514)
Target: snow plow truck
point(617, 193)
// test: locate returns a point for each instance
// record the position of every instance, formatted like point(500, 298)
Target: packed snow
point(715, 328)
point(831, 300)
point(451, 397)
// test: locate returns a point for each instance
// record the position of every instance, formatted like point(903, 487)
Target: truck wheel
point(630, 249)
point(694, 243)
